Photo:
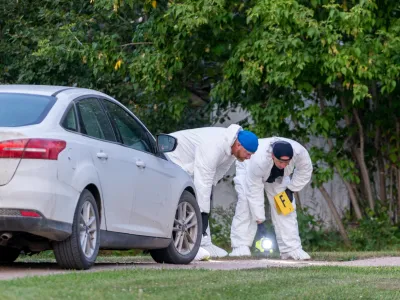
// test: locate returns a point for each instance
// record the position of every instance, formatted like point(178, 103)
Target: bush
point(372, 233)
point(220, 225)
point(313, 236)
point(375, 232)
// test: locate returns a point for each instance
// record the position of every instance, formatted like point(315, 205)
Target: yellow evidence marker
point(283, 204)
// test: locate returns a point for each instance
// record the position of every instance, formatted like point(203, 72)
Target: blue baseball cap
point(248, 140)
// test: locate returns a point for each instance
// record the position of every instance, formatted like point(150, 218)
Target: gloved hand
point(289, 193)
point(261, 231)
point(204, 220)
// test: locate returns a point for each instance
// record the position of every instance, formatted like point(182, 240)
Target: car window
point(70, 122)
point(132, 133)
point(94, 121)
point(22, 109)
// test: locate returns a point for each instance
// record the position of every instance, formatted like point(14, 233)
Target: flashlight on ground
point(265, 245)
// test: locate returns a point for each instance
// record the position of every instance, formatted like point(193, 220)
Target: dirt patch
point(22, 269)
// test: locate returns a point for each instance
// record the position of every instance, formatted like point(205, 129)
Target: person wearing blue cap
point(206, 154)
point(280, 167)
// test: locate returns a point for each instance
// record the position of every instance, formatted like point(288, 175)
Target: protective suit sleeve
point(302, 173)
point(205, 166)
point(255, 190)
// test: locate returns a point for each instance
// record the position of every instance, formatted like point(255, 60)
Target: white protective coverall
point(250, 183)
point(206, 155)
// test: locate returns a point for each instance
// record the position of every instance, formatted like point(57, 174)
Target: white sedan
point(79, 172)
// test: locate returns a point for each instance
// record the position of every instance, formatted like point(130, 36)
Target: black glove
point(289, 193)
point(261, 231)
point(204, 219)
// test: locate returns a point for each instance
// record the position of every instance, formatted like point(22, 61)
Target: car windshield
point(22, 109)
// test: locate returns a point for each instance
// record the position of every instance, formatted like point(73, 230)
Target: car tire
point(79, 251)
point(8, 254)
point(186, 233)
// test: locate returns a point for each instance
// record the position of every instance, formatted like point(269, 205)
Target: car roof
point(44, 90)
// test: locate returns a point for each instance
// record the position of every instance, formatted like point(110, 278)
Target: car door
point(115, 170)
point(152, 182)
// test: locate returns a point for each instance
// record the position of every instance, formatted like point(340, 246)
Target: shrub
point(375, 232)
point(313, 236)
point(220, 225)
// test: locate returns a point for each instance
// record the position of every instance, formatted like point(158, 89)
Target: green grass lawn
point(348, 256)
point(48, 256)
point(272, 283)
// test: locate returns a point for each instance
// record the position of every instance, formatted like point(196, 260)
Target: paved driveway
point(23, 269)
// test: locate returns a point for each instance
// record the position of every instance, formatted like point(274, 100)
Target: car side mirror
point(166, 143)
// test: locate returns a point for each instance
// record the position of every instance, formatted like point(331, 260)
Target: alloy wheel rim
point(88, 229)
point(185, 228)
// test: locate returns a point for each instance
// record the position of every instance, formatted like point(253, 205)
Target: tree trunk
point(392, 211)
point(382, 179)
point(359, 153)
point(297, 199)
point(377, 144)
point(351, 189)
point(352, 196)
point(398, 193)
point(353, 199)
point(346, 116)
point(380, 166)
point(397, 168)
point(336, 215)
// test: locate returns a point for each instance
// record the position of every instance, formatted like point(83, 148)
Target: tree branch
point(361, 132)
point(398, 169)
point(359, 153)
point(79, 42)
point(352, 196)
point(137, 43)
point(197, 95)
point(346, 117)
point(336, 215)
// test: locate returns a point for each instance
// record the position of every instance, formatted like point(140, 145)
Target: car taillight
point(32, 148)
point(29, 213)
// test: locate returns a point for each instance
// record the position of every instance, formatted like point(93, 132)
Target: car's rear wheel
point(186, 233)
point(8, 254)
point(80, 250)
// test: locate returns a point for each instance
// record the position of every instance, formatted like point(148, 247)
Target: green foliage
point(220, 225)
point(313, 235)
point(375, 232)
point(89, 44)
point(323, 69)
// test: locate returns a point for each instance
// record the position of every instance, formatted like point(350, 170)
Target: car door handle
point(140, 164)
point(102, 155)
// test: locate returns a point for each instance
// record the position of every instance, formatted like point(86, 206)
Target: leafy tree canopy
point(320, 68)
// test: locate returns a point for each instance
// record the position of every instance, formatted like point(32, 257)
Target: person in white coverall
point(207, 154)
point(279, 165)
